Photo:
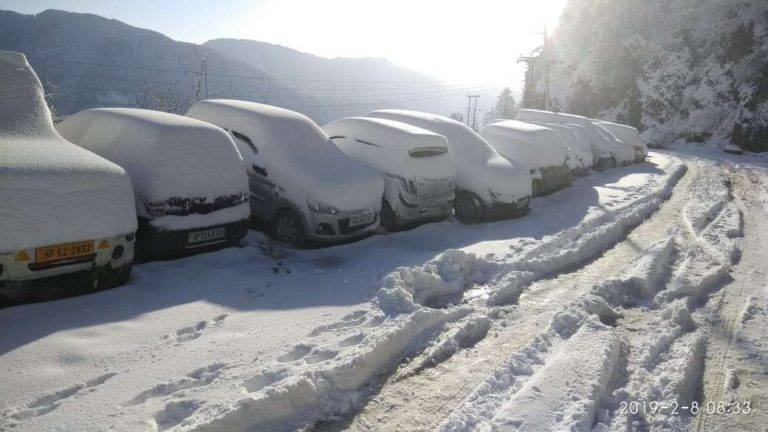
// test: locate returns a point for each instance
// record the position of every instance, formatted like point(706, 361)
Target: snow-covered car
point(628, 135)
point(537, 148)
point(190, 188)
point(67, 216)
point(488, 186)
point(579, 143)
point(301, 184)
point(623, 152)
point(603, 154)
point(416, 164)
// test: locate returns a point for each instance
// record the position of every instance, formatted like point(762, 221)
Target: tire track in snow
point(421, 401)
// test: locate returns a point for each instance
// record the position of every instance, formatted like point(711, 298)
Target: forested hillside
point(686, 71)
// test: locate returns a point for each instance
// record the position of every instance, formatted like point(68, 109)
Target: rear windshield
point(427, 152)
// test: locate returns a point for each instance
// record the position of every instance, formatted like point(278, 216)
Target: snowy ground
point(643, 283)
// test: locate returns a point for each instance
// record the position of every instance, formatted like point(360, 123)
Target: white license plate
point(361, 219)
point(431, 211)
point(207, 235)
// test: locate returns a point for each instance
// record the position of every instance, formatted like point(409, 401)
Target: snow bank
point(480, 169)
point(167, 155)
point(52, 191)
point(601, 149)
point(296, 153)
point(535, 147)
point(387, 145)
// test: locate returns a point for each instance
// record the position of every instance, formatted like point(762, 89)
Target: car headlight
point(321, 207)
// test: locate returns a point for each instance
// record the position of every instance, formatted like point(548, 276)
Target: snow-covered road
point(545, 322)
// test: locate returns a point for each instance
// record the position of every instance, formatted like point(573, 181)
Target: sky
point(472, 42)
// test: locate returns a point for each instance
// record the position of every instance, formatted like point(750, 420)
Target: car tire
point(468, 208)
point(288, 228)
point(109, 277)
point(388, 217)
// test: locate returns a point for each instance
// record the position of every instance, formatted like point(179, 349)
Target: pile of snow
point(52, 190)
point(296, 153)
point(167, 156)
point(386, 144)
point(575, 137)
point(623, 152)
point(602, 150)
point(535, 147)
point(628, 135)
point(480, 169)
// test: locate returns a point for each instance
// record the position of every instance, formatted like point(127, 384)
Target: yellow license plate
point(63, 251)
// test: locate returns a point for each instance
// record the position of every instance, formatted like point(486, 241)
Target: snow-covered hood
point(600, 147)
point(531, 145)
point(167, 156)
point(51, 190)
point(479, 167)
point(300, 159)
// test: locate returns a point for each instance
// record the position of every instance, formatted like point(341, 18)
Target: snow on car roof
point(463, 141)
point(166, 155)
point(628, 134)
point(385, 133)
point(601, 148)
point(268, 126)
point(298, 154)
point(52, 191)
point(532, 145)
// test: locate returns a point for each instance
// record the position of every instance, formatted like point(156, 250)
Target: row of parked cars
point(84, 199)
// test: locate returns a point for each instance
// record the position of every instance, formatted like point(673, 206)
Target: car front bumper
point(505, 210)
point(330, 228)
point(153, 243)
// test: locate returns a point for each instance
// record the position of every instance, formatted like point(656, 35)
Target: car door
point(263, 190)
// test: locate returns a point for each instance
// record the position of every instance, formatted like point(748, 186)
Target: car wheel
point(388, 218)
point(288, 228)
point(468, 208)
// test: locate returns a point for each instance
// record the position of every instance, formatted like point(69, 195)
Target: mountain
point(86, 61)
point(685, 71)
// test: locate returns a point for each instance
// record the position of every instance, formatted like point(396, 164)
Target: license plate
point(361, 219)
point(432, 197)
point(207, 235)
point(64, 252)
point(431, 211)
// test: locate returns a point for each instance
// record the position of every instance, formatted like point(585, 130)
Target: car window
point(243, 138)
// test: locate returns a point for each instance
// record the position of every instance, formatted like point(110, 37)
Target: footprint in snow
point(298, 352)
point(49, 402)
point(186, 334)
point(264, 379)
point(175, 412)
point(197, 378)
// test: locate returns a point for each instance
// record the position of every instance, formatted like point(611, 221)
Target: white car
point(301, 185)
point(67, 219)
point(603, 152)
point(488, 186)
point(579, 143)
point(416, 164)
point(628, 135)
point(537, 148)
point(190, 188)
point(623, 153)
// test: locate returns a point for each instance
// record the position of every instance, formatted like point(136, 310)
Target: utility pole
point(470, 99)
point(202, 79)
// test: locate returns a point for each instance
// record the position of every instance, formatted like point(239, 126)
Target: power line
point(264, 78)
